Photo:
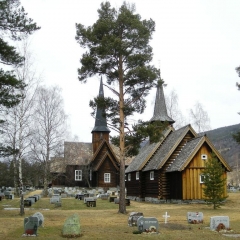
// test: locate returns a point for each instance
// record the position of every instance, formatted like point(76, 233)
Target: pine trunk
point(122, 203)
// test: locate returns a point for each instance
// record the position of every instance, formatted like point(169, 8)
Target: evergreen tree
point(236, 136)
point(214, 182)
point(15, 25)
point(118, 47)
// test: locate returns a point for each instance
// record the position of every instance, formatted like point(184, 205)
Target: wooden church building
point(172, 167)
point(89, 164)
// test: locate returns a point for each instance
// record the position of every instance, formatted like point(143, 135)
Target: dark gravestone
point(133, 217)
point(27, 203)
point(147, 224)
point(31, 226)
point(71, 227)
point(127, 201)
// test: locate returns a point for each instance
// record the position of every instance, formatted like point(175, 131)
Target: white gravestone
point(217, 222)
point(195, 217)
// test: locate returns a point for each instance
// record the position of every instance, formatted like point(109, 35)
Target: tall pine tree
point(214, 182)
point(14, 25)
point(118, 47)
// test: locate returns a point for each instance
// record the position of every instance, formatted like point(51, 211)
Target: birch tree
point(18, 130)
point(199, 118)
point(49, 128)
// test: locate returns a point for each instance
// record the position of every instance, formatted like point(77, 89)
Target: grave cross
point(166, 217)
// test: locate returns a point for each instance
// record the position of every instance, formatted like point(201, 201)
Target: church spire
point(160, 109)
point(100, 131)
point(100, 121)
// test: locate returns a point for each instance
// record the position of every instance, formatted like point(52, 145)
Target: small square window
point(78, 175)
point(137, 175)
point(152, 175)
point(129, 177)
point(107, 177)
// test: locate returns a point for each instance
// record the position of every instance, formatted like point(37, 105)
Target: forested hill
point(224, 142)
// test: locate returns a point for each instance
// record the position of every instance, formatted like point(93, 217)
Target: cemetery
point(90, 214)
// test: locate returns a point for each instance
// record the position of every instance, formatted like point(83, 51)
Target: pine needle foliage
point(214, 182)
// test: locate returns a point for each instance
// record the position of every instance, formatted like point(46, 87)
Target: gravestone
point(104, 196)
point(219, 223)
point(31, 226)
point(71, 227)
point(147, 224)
point(31, 199)
point(166, 216)
point(195, 217)
point(87, 199)
point(55, 198)
point(40, 218)
point(133, 217)
point(27, 202)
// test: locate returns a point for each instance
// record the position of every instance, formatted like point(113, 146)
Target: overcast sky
point(196, 42)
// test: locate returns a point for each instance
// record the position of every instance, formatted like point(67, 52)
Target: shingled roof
point(146, 153)
point(189, 150)
point(169, 145)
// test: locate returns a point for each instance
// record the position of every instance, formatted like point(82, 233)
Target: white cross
point(166, 217)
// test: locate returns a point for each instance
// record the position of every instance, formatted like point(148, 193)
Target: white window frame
point(201, 178)
point(204, 157)
point(107, 177)
point(152, 175)
point(129, 177)
point(78, 175)
point(137, 175)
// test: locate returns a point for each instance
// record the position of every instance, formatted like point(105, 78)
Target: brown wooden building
point(171, 168)
point(89, 164)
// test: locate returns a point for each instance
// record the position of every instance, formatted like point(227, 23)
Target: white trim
point(107, 177)
point(201, 178)
point(137, 175)
point(152, 175)
point(204, 157)
point(78, 175)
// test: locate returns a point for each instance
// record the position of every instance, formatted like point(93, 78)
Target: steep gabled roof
point(189, 151)
point(146, 152)
point(168, 147)
point(160, 109)
point(77, 153)
point(100, 161)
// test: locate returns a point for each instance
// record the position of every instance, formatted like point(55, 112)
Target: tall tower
point(100, 131)
point(160, 109)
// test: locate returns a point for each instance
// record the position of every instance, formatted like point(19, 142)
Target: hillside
point(224, 142)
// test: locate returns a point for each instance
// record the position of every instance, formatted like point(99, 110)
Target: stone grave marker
point(218, 223)
point(133, 217)
point(87, 199)
point(104, 196)
point(31, 226)
point(55, 198)
point(195, 217)
point(147, 224)
point(71, 227)
point(40, 218)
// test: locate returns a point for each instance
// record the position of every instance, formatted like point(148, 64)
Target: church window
point(129, 177)
point(107, 177)
point(152, 175)
point(137, 175)
point(78, 175)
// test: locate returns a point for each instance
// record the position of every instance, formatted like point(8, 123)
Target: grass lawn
point(104, 221)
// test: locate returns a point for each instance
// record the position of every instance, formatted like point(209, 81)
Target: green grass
point(104, 221)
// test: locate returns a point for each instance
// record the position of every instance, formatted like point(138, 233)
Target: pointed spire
point(160, 109)
point(100, 121)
